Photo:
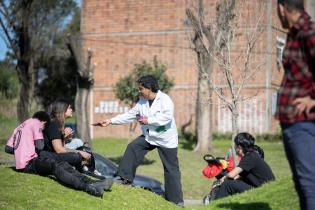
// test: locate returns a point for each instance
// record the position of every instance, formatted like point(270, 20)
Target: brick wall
point(122, 33)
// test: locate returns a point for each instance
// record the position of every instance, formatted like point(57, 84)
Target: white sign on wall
point(110, 107)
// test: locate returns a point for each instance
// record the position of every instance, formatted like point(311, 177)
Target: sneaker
point(85, 168)
point(106, 184)
point(97, 173)
point(180, 204)
point(206, 200)
point(94, 189)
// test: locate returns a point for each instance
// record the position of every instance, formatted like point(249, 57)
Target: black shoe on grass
point(94, 189)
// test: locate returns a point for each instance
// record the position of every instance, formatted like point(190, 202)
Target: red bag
point(212, 170)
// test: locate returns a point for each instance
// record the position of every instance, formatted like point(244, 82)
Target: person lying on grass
point(251, 172)
point(27, 143)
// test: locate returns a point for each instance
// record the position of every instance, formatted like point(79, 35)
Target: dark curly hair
point(297, 5)
point(150, 82)
point(42, 116)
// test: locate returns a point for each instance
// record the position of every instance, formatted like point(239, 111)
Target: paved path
point(192, 202)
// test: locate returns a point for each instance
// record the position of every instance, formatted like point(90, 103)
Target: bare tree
point(84, 76)
point(202, 34)
point(233, 72)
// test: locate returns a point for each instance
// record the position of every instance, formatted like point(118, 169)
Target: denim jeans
point(299, 144)
point(74, 143)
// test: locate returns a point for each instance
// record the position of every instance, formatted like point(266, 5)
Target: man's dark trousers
point(134, 154)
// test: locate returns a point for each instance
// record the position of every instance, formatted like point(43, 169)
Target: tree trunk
point(24, 102)
point(83, 114)
point(24, 68)
point(235, 131)
point(203, 116)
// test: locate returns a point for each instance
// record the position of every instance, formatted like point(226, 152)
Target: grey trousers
point(133, 157)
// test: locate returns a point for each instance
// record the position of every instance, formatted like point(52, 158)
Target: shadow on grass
point(188, 141)
point(145, 161)
point(245, 206)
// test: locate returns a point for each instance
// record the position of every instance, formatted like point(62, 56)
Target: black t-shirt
point(255, 170)
point(50, 133)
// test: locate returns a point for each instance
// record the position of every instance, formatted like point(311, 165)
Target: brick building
point(122, 33)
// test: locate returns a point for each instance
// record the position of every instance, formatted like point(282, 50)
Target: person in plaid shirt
point(295, 103)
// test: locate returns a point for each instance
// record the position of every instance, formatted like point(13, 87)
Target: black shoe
point(121, 180)
point(106, 184)
point(94, 189)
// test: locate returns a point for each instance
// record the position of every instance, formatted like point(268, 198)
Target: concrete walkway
point(188, 202)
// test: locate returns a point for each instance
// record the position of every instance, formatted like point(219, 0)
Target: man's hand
point(105, 123)
point(143, 120)
point(304, 104)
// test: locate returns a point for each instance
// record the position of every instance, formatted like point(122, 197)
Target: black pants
point(74, 159)
point(134, 154)
point(230, 187)
point(63, 171)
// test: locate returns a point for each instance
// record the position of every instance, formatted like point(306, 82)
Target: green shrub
point(126, 89)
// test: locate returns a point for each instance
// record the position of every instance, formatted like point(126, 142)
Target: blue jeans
point(299, 144)
point(74, 143)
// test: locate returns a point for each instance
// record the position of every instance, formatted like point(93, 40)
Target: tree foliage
point(29, 26)
point(126, 89)
point(9, 83)
point(59, 66)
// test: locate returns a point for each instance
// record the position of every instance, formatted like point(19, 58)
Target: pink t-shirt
point(22, 140)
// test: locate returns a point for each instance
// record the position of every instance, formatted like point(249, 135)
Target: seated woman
point(56, 135)
point(26, 143)
point(251, 172)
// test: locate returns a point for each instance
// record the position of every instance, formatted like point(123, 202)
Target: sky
point(3, 47)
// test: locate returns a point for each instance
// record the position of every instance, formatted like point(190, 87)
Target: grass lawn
point(26, 191)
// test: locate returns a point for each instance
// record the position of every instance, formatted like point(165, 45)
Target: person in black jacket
point(251, 172)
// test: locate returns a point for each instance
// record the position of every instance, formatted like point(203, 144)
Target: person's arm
point(234, 174)
point(39, 145)
point(125, 118)
point(9, 149)
point(59, 148)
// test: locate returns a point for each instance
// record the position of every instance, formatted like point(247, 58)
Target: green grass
point(7, 124)
point(26, 191)
point(195, 185)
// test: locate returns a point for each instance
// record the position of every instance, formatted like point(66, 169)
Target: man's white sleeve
point(127, 117)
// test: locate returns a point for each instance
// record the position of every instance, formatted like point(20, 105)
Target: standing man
point(155, 112)
point(294, 98)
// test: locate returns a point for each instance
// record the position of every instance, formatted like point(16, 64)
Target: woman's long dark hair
point(246, 141)
point(56, 111)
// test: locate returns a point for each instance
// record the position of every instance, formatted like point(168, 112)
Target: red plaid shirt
point(298, 62)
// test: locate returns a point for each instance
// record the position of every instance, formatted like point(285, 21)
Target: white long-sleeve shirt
point(161, 128)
